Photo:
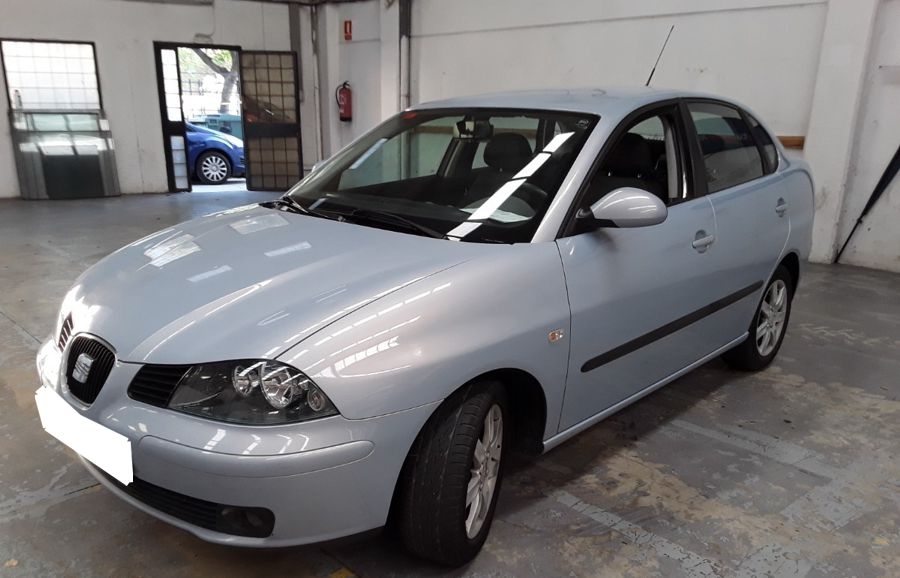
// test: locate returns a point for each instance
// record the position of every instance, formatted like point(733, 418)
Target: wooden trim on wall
point(792, 142)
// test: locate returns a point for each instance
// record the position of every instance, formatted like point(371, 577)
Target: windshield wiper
point(386, 217)
point(294, 206)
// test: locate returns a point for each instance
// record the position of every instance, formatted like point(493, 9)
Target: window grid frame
point(96, 70)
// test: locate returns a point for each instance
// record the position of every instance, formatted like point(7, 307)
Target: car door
point(638, 296)
point(738, 161)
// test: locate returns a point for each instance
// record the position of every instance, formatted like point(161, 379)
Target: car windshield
point(480, 175)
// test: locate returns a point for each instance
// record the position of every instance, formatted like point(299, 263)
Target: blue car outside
point(213, 156)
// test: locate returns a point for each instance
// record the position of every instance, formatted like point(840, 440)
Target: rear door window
point(730, 154)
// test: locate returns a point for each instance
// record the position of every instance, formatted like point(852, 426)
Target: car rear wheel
point(452, 477)
point(768, 326)
point(213, 168)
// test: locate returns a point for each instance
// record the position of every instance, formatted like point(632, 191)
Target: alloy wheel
point(485, 471)
point(772, 312)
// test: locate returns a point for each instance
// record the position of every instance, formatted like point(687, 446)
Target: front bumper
point(320, 480)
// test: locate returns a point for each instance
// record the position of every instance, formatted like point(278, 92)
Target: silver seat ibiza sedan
point(472, 277)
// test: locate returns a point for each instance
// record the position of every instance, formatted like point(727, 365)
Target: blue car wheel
point(213, 168)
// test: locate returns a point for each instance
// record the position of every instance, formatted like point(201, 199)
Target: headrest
point(631, 157)
point(507, 151)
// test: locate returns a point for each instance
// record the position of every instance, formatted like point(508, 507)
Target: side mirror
point(626, 207)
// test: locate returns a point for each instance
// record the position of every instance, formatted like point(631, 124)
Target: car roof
point(609, 102)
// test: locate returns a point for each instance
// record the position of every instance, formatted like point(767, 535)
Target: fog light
point(253, 522)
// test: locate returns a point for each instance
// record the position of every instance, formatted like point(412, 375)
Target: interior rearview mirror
point(473, 129)
point(626, 207)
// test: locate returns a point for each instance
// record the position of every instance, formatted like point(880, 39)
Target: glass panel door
point(168, 78)
point(271, 120)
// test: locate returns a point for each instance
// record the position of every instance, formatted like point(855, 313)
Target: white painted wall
point(360, 65)
point(763, 53)
point(876, 242)
point(835, 109)
point(124, 32)
point(364, 61)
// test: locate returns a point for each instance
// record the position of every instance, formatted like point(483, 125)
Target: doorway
point(228, 115)
point(198, 86)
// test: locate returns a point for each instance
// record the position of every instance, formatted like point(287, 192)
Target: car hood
point(245, 283)
point(235, 141)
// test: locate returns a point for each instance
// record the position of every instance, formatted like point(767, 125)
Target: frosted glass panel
point(179, 161)
point(51, 75)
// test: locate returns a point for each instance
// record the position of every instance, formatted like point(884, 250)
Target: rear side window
point(765, 141)
point(729, 152)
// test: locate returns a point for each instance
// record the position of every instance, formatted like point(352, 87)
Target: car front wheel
point(213, 168)
point(452, 476)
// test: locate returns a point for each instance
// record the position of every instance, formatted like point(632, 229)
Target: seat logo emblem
point(82, 367)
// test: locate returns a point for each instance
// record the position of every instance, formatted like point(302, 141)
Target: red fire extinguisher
point(344, 97)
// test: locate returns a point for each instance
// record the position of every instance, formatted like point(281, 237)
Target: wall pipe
point(317, 81)
point(405, 66)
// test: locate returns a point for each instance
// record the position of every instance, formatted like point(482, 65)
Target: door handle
point(702, 240)
point(781, 207)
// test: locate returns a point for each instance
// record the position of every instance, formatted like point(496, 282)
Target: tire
point(213, 168)
point(759, 349)
point(434, 520)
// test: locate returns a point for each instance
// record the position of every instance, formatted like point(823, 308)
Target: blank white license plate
point(108, 450)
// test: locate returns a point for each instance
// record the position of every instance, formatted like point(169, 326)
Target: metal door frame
point(262, 130)
point(177, 128)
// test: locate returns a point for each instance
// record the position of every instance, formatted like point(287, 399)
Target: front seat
point(505, 154)
point(630, 164)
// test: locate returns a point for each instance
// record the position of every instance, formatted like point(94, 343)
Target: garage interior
point(792, 471)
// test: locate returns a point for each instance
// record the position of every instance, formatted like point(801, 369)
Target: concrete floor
point(233, 185)
point(790, 472)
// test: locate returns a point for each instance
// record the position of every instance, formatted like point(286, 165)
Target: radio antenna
point(660, 55)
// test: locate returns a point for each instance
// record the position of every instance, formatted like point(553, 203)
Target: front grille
point(155, 384)
point(65, 332)
point(234, 520)
point(101, 363)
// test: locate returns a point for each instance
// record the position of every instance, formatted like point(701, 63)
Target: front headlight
point(257, 392)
